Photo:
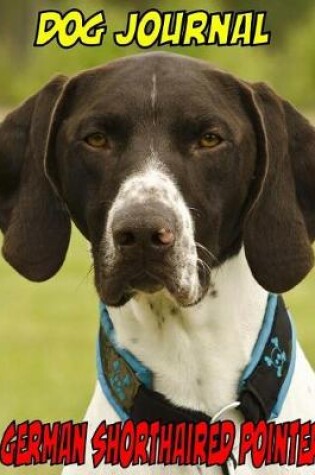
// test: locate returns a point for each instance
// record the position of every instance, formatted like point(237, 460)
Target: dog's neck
point(197, 354)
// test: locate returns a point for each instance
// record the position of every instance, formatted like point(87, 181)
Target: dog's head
point(168, 167)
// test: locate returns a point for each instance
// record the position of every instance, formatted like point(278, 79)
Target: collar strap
point(128, 384)
point(267, 378)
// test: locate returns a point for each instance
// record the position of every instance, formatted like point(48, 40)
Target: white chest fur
point(197, 354)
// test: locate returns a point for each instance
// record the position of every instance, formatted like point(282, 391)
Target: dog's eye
point(209, 140)
point(96, 140)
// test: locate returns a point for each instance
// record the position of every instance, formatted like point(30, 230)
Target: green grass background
point(47, 342)
point(48, 331)
point(47, 345)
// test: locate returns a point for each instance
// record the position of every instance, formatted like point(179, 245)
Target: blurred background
point(48, 331)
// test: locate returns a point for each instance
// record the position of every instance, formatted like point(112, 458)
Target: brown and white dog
point(196, 191)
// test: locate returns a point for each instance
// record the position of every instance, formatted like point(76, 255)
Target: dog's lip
point(119, 286)
point(146, 282)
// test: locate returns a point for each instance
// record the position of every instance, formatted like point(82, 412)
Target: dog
point(196, 192)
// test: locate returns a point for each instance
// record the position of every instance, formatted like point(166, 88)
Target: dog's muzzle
point(148, 243)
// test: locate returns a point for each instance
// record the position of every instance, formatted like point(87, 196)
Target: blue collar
point(263, 386)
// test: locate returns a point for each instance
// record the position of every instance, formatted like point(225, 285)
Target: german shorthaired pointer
point(196, 191)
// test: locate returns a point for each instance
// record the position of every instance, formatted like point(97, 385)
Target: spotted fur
point(155, 183)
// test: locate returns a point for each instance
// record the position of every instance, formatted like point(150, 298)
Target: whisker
point(196, 210)
point(207, 252)
point(205, 266)
point(85, 277)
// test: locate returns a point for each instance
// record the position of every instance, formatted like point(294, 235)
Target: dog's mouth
point(146, 282)
point(118, 285)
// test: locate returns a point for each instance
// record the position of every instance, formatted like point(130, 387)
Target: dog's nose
point(148, 228)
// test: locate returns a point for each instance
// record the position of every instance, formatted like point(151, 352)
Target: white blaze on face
point(154, 92)
point(153, 183)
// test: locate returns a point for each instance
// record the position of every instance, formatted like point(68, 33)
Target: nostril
point(163, 237)
point(124, 238)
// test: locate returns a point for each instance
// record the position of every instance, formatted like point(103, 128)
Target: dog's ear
point(36, 227)
point(55, 170)
point(280, 223)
